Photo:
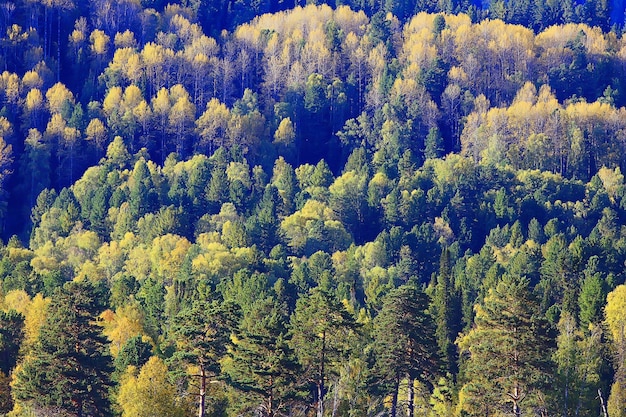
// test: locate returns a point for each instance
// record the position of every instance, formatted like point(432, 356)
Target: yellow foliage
point(149, 394)
point(99, 42)
point(122, 325)
point(112, 101)
point(34, 317)
point(167, 254)
point(57, 95)
point(615, 314)
point(17, 300)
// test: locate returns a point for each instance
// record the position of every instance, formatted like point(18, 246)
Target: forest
point(222, 208)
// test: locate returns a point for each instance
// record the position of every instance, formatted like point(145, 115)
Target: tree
point(6, 160)
point(135, 352)
point(615, 319)
point(203, 335)
point(149, 394)
point(263, 365)
point(68, 369)
point(443, 312)
point(320, 329)
point(405, 344)
point(579, 360)
point(508, 369)
point(11, 337)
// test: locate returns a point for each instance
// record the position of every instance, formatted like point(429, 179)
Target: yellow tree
point(182, 116)
point(615, 319)
point(6, 159)
point(212, 126)
point(34, 108)
point(161, 106)
point(57, 96)
point(149, 394)
point(96, 133)
point(121, 325)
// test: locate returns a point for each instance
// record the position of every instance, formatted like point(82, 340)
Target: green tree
point(11, 337)
point(264, 367)
point(68, 369)
point(592, 296)
point(508, 369)
point(142, 195)
point(443, 309)
point(405, 344)
point(320, 329)
point(579, 360)
point(202, 333)
point(135, 352)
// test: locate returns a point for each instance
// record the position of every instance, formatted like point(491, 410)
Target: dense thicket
point(318, 212)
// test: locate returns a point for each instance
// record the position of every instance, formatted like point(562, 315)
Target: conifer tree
point(443, 312)
point(11, 337)
point(68, 369)
point(203, 336)
point(264, 367)
point(320, 329)
point(405, 344)
point(508, 369)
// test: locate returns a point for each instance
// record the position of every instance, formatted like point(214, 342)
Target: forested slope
point(314, 213)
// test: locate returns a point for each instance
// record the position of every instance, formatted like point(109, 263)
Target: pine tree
point(11, 337)
point(320, 328)
point(203, 336)
point(68, 370)
point(404, 343)
point(443, 313)
point(263, 365)
point(508, 369)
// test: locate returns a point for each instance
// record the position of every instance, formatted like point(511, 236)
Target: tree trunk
point(320, 382)
point(604, 413)
point(270, 400)
point(394, 397)
point(59, 44)
point(515, 397)
point(410, 397)
point(202, 391)
point(320, 398)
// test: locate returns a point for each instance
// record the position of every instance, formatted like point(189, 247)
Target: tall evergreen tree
point(203, 336)
point(508, 369)
point(443, 313)
point(264, 367)
point(11, 337)
point(404, 343)
point(68, 370)
point(320, 328)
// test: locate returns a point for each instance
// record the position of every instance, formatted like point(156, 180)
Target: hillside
point(208, 210)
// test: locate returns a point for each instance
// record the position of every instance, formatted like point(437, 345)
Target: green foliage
point(263, 366)
point(404, 341)
point(507, 369)
point(68, 370)
point(295, 166)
